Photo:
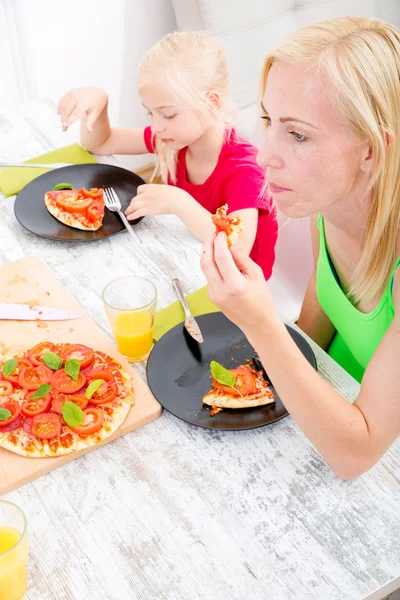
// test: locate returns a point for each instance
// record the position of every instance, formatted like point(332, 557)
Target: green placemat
point(199, 303)
point(13, 179)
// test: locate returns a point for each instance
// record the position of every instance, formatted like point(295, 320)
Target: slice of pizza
point(62, 398)
point(81, 209)
point(232, 226)
point(237, 388)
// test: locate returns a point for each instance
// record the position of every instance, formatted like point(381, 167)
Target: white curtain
point(17, 84)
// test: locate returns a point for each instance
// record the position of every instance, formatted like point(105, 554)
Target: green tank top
point(358, 334)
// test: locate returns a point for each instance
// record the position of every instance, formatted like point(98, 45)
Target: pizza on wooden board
point(58, 399)
point(82, 209)
point(237, 388)
point(232, 226)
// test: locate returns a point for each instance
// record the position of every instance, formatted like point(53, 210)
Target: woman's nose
point(269, 155)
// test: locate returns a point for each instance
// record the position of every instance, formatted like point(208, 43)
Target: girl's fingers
point(142, 188)
point(73, 116)
point(91, 118)
point(60, 102)
point(140, 212)
point(134, 206)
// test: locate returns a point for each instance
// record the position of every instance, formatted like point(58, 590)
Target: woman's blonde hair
point(191, 66)
point(361, 59)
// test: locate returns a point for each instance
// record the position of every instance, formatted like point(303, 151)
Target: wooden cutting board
point(29, 281)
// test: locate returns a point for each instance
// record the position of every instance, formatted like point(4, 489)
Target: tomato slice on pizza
point(80, 352)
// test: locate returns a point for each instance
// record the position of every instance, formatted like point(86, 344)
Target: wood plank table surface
point(171, 511)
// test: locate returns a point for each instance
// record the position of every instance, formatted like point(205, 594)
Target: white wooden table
point(172, 511)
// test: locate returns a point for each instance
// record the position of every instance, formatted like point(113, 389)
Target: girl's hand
point(237, 285)
point(155, 199)
point(89, 101)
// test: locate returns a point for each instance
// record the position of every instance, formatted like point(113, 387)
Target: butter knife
point(190, 323)
point(23, 312)
point(38, 165)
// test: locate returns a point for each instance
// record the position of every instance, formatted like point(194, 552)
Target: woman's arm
point(351, 437)
point(313, 321)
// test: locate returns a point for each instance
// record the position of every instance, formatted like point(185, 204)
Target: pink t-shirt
point(236, 181)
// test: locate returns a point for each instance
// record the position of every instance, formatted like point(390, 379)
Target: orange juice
point(13, 564)
point(133, 332)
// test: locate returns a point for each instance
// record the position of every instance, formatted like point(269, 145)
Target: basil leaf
point(222, 375)
point(72, 368)
point(93, 387)
point(9, 367)
point(42, 391)
point(72, 414)
point(63, 186)
point(4, 414)
point(52, 360)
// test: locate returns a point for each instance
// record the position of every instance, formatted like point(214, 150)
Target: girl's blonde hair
point(191, 66)
point(361, 59)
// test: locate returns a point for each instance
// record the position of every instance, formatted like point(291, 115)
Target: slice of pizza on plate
point(232, 226)
point(81, 209)
point(237, 388)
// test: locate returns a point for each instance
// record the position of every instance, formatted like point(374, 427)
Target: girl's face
point(313, 161)
point(175, 125)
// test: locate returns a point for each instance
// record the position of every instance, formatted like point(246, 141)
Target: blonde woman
point(331, 103)
point(183, 83)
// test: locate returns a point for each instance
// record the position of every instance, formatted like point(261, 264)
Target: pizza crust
point(68, 218)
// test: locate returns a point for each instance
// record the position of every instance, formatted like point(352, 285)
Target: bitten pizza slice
point(232, 226)
point(81, 209)
point(237, 388)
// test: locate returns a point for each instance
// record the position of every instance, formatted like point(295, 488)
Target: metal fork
point(113, 203)
point(191, 325)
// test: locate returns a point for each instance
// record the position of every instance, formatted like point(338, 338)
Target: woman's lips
point(166, 140)
point(276, 189)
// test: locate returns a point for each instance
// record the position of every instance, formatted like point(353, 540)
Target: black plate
point(178, 373)
point(32, 213)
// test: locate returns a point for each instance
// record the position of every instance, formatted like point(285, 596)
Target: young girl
point(183, 83)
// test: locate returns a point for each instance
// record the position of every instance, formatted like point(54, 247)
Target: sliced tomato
point(6, 388)
point(27, 425)
point(59, 401)
point(15, 411)
point(30, 408)
point(38, 351)
point(245, 382)
point(99, 373)
point(13, 426)
point(82, 353)
point(32, 377)
point(94, 212)
point(62, 382)
point(73, 201)
point(92, 193)
point(46, 425)
point(107, 392)
point(92, 422)
point(22, 362)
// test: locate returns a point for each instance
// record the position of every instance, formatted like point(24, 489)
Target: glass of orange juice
point(13, 552)
point(130, 304)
